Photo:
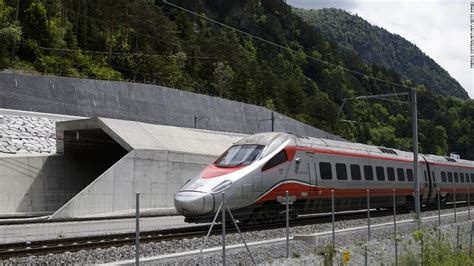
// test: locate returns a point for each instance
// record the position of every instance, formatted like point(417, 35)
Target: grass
point(436, 251)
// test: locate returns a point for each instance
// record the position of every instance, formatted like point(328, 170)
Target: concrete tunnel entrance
point(88, 153)
point(101, 163)
point(40, 184)
point(94, 146)
point(117, 158)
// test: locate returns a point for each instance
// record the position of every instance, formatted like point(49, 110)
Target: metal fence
point(284, 215)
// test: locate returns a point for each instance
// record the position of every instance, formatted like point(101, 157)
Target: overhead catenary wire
point(120, 53)
point(285, 47)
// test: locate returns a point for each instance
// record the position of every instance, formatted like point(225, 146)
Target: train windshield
point(239, 155)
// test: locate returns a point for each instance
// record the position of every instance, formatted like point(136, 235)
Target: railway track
point(105, 241)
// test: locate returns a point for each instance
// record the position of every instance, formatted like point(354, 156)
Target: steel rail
point(83, 243)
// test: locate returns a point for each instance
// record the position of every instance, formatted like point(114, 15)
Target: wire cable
point(119, 53)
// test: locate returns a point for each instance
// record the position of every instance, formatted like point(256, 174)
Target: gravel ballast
point(274, 253)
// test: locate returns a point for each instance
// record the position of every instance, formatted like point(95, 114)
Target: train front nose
point(193, 202)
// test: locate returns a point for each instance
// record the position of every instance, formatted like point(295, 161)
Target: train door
point(312, 170)
point(427, 182)
point(434, 182)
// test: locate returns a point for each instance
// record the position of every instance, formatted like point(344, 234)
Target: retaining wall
point(141, 102)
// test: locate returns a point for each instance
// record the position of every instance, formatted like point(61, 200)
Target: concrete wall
point(140, 102)
point(154, 160)
point(156, 174)
point(37, 184)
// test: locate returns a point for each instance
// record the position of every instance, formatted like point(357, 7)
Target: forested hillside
point(377, 46)
point(150, 41)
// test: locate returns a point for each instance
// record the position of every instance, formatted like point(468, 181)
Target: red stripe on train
point(303, 191)
point(214, 171)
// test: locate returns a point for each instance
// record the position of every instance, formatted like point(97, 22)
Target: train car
point(257, 170)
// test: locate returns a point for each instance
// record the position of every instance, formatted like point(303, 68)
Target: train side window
point(450, 177)
point(467, 178)
point(443, 176)
point(426, 179)
point(456, 178)
point(391, 174)
point(433, 175)
point(355, 172)
point(325, 170)
point(401, 174)
point(472, 178)
point(410, 175)
point(380, 173)
point(461, 177)
point(279, 158)
point(341, 171)
point(368, 172)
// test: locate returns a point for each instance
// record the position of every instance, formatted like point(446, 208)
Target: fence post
point(333, 229)
point(454, 195)
point(226, 207)
point(287, 225)
point(395, 227)
point(223, 228)
point(470, 239)
point(439, 215)
point(137, 228)
point(368, 227)
point(457, 238)
point(468, 204)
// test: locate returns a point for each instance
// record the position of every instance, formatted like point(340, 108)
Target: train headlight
point(222, 186)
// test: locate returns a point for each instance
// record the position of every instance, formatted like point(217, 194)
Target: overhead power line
point(119, 53)
point(284, 47)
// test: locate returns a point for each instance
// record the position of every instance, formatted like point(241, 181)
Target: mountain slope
point(378, 46)
point(150, 41)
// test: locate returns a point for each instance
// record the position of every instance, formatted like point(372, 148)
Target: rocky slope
point(27, 134)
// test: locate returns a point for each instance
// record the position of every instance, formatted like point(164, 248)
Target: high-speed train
point(256, 171)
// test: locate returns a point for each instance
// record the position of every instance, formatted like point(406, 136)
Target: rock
point(26, 134)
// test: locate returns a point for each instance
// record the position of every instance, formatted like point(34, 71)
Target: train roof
point(353, 147)
point(345, 146)
point(445, 160)
point(378, 150)
point(265, 138)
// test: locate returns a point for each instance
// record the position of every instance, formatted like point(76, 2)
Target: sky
point(440, 28)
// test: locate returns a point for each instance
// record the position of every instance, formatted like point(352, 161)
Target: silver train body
point(257, 171)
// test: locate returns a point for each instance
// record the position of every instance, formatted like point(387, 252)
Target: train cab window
point(279, 158)
point(341, 171)
point(443, 176)
point(355, 172)
point(456, 178)
point(368, 172)
point(461, 177)
point(410, 175)
point(380, 173)
point(325, 170)
point(401, 174)
point(239, 155)
point(391, 174)
point(450, 177)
